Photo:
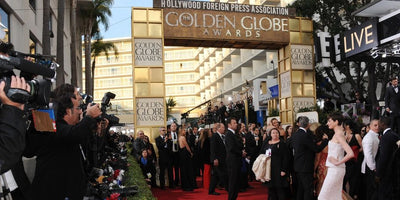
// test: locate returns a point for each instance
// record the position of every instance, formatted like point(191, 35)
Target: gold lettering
point(359, 40)
point(345, 45)
point(368, 34)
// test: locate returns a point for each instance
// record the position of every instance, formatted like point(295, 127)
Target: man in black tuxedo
point(164, 146)
point(387, 146)
point(304, 156)
point(218, 159)
point(234, 154)
point(251, 149)
point(392, 103)
point(60, 170)
point(175, 152)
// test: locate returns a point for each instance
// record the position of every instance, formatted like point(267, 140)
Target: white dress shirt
point(370, 147)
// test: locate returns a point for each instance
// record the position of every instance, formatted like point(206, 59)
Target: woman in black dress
point(279, 165)
point(185, 159)
point(353, 166)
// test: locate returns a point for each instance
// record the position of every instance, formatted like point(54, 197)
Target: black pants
point(233, 177)
point(176, 165)
point(395, 122)
point(371, 190)
point(218, 175)
point(168, 167)
point(276, 193)
point(385, 190)
point(304, 186)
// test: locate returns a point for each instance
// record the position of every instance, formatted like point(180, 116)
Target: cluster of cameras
point(40, 94)
point(112, 171)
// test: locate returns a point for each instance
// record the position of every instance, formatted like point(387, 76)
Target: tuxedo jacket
point(304, 151)
point(392, 100)
point(164, 150)
point(234, 147)
point(387, 147)
point(251, 148)
point(217, 150)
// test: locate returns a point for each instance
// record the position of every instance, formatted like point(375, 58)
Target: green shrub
point(134, 176)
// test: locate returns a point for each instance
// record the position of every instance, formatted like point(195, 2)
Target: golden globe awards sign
point(302, 57)
point(203, 20)
point(150, 111)
point(148, 52)
point(285, 83)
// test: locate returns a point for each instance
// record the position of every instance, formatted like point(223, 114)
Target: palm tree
point(98, 14)
point(170, 103)
point(99, 47)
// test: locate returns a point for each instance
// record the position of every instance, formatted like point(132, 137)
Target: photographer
point(60, 170)
point(12, 126)
point(13, 122)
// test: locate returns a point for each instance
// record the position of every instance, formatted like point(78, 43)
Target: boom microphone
point(29, 67)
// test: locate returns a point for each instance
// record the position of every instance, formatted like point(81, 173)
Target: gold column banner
point(148, 74)
point(296, 70)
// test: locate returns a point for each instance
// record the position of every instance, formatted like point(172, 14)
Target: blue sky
point(120, 21)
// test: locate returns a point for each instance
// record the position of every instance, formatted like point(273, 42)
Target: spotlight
point(384, 54)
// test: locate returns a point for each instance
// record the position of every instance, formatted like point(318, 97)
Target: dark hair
point(337, 117)
point(230, 120)
point(393, 78)
point(385, 121)
point(270, 131)
point(62, 103)
point(63, 89)
point(321, 130)
point(352, 125)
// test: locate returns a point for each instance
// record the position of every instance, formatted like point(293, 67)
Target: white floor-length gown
point(333, 183)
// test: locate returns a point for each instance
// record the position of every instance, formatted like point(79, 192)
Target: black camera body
point(105, 102)
point(39, 96)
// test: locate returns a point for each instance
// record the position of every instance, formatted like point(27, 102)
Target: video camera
point(105, 102)
point(39, 96)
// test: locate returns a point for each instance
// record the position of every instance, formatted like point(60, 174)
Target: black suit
point(60, 170)
point(392, 101)
point(304, 156)
point(387, 146)
point(164, 160)
point(175, 159)
point(24, 186)
point(217, 151)
point(234, 148)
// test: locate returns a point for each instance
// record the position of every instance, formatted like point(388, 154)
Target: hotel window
point(5, 25)
point(32, 44)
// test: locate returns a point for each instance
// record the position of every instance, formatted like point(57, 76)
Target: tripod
point(5, 193)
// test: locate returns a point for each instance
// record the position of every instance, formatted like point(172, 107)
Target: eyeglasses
point(78, 108)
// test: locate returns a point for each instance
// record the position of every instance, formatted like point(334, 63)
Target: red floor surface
point(258, 192)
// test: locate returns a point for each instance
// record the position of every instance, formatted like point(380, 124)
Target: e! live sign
point(360, 38)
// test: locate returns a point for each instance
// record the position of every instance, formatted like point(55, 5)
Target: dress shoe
point(187, 189)
point(214, 193)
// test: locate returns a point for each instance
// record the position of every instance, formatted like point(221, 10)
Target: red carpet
point(258, 192)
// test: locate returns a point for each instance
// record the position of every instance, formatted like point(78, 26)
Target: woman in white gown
point(333, 183)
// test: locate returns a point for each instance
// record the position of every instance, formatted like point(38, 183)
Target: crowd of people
point(339, 160)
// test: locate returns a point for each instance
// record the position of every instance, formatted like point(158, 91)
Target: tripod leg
point(8, 195)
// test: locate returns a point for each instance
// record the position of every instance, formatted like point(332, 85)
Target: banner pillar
point(148, 71)
point(296, 71)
